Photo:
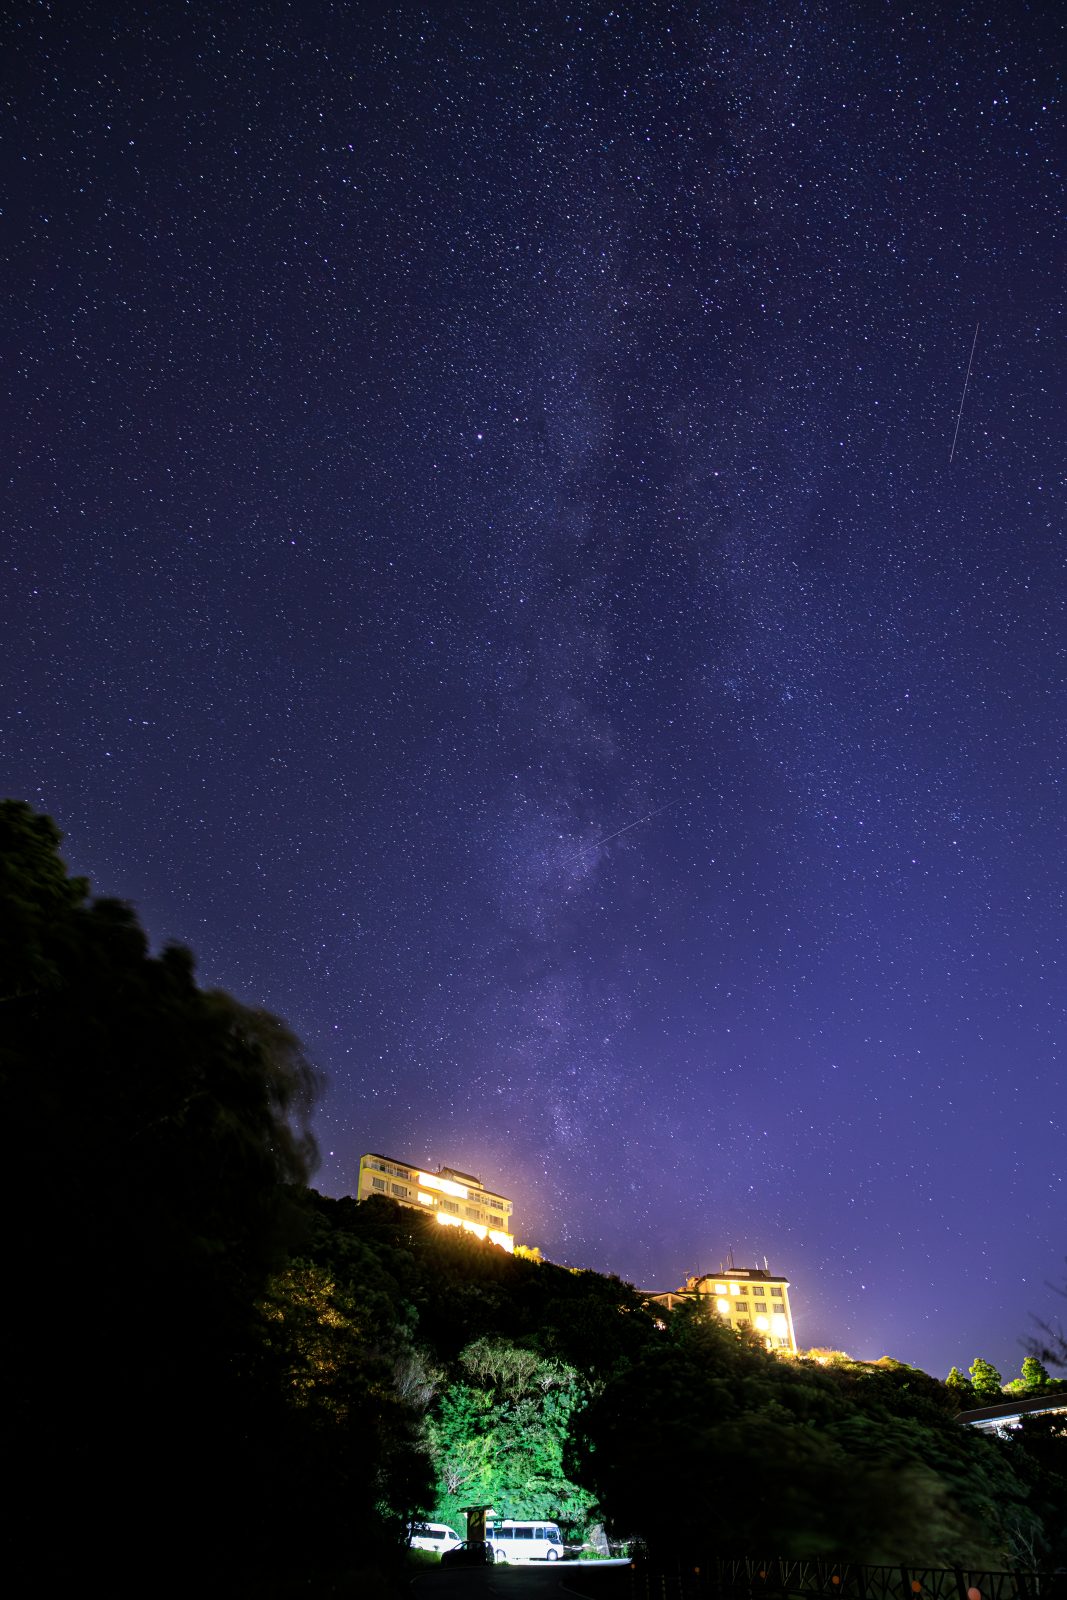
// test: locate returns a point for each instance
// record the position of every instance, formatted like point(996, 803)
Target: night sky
point(483, 567)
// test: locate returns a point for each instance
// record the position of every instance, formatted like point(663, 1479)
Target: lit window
point(762, 1324)
point(445, 1185)
point(734, 1289)
point(723, 1306)
point(720, 1288)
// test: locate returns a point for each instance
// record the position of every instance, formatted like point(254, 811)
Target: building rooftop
point(1008, 1409)
point(761, 1274)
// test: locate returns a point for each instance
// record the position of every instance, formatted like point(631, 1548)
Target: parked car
point(471, 1553)
point(434, 1536)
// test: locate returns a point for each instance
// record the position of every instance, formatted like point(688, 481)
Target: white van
point(524, 1541)
point(432, 1536)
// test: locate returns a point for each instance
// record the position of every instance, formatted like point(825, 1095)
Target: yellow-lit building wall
point(457, 1199)
point(753, 1301)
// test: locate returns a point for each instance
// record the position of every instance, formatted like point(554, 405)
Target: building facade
point(457, 1199)
point(750, 1299)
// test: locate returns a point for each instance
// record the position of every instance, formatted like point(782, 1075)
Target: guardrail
point(780, 1579)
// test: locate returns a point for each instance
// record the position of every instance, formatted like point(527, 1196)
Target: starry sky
point(483, 567)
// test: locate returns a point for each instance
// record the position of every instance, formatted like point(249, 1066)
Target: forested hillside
point(553, 1392)
point(218, 1375)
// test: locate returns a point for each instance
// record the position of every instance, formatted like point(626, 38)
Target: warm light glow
point(762, 1324)
point(735, 1288)
point(723, 1306)
point(720, 1288)
point(445, 1185)
point(779, 1323)
point(425, 1199)
point(504, 1240)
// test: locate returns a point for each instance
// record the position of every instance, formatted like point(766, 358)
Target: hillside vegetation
point(218, 1376)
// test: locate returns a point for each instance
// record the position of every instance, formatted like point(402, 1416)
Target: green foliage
point(518, 1343)
point(961, 1389)
point(350, 1420)
point(1035, 1379)
point(1035, 1374)
point(224, 1363)
point(498, 1433)
point(859, 1460)
point(986, 1381)
point(455, 1288)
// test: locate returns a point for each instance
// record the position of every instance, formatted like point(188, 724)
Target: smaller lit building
point(457, 1199)
point(752, 1299)
point(749, 1299)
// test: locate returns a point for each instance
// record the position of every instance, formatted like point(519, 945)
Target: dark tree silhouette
point(1050, 1343)
point(151, 1130)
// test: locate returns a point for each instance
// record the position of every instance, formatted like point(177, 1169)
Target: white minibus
point(524, 1541)
point(432, 1536)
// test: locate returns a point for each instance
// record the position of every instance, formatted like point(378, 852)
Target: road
point(549, 1580)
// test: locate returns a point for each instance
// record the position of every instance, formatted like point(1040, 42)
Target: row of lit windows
point(473, 1213)
point(742, 1288)
point(758, 1296)
point(430, 1182)
point(387, 1167)
point(468, 1211)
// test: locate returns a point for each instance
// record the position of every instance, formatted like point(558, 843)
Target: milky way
point(443, 436)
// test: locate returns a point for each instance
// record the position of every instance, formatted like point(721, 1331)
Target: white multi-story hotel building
point(457, 1199)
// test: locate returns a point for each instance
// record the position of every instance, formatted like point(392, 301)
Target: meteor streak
point(963, 396)
point(584, 851)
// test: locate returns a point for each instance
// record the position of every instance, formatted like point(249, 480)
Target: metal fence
point(778, 1579)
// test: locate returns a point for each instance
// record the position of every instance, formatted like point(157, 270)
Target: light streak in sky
point(584, 851)
point(963, 396)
